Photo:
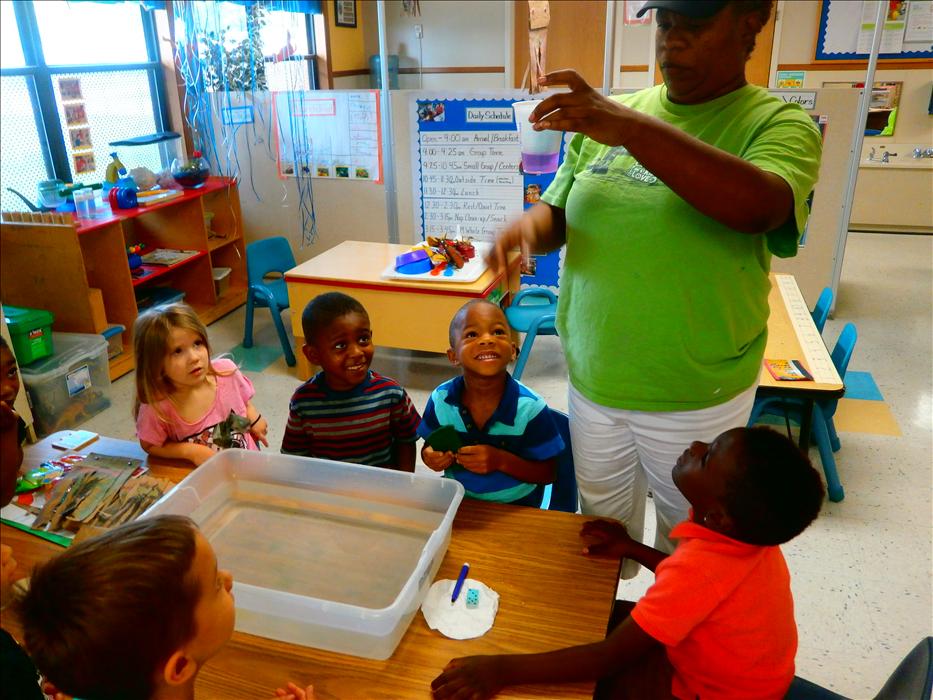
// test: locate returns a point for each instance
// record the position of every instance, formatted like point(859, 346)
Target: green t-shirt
point(661, 308)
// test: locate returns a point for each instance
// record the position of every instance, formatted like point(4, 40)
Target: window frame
point(42, 92)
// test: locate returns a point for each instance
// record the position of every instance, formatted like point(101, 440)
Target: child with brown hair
point(133, 613)
point(185, 400)
point(718, 622)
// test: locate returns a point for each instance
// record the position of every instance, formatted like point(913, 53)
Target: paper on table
point(456, 620)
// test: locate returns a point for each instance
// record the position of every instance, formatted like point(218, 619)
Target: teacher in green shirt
point(671, 202)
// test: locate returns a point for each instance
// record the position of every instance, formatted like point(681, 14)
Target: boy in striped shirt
point(347, 412)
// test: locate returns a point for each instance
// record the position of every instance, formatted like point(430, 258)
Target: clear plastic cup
point(84, 202)
point(540, 149)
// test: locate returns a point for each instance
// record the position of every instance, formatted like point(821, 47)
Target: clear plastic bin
point(323, 554)
point(70, 386)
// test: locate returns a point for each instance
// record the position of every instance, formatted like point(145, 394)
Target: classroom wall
point(798, 46)
point(632, 48)
point(887, 198)
point(457, 35)
point(346, 43)
point(357, 209)
point(346, 210)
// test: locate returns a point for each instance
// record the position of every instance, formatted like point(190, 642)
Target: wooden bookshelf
point(54, 262)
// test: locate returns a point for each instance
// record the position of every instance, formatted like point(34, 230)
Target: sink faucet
point(871, 154)
point(885, 155)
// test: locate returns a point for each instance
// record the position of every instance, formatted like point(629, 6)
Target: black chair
point(911, 680)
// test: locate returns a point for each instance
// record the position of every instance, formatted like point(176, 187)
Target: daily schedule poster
point(466, 168)
point(465, 172)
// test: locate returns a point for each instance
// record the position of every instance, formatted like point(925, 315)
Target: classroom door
point(576, 38)
point(758, 68)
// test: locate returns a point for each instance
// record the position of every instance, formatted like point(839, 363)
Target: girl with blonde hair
point(187, 405)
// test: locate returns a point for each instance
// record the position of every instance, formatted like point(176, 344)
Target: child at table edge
point(718, 623)
point(347, 412)
point(19, 677)
point(133, 613)
point(509, 440)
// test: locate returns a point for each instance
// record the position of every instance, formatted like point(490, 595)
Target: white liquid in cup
point(540, 149)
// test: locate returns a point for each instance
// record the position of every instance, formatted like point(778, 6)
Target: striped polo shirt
point(360, 425)
point(521, 424)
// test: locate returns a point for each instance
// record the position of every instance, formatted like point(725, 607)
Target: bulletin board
point(846, 28)
point(465, 172)
point(328, 134)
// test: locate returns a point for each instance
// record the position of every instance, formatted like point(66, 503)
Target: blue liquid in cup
point(539, 163)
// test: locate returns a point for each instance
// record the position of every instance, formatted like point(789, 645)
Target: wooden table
point(792, 335)
point(408, 315)
point(550, 596)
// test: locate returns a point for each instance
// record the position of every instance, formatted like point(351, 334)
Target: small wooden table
point(792, 335)
point(409, 315)
point(551, 596)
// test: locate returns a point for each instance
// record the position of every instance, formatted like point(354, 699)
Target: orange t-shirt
point(724, 610)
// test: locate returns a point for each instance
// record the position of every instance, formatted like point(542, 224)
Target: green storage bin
point(31, 332)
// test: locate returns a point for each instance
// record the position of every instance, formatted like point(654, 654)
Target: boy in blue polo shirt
point(509, 443)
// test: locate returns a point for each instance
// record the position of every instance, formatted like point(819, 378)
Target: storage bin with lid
point(324, 554)
point(113, 334)
point(30, 331)
point(70, 386)
point(221, 279)
point(157, 296)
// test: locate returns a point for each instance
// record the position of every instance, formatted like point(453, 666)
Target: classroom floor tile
point(861, 416)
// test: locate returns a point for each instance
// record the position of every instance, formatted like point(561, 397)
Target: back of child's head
point(101, 619)
point(775, 493)
point(151, 334)
point(324, 309)
point(457, 323)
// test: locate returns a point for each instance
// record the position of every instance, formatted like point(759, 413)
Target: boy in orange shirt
point(718, 623)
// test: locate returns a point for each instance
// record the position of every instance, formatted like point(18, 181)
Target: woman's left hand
point(583, 110)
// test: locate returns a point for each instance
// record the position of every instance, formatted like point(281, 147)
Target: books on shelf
point(168, 256)
point(788, 370)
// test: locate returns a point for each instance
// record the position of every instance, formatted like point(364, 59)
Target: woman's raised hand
point(582, 110)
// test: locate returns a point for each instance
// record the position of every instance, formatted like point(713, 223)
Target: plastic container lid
point(22, 320)
point(113, 330)
point(411, 257)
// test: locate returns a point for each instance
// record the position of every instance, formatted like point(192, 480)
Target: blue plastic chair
point(262, 258)
point(821, 311)
point(823, 430)
point(562, 494)
point(532, 312)
point(911, 680)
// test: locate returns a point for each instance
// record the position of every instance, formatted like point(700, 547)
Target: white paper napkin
point(456, 620)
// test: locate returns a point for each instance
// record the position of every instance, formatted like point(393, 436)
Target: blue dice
point(472, 599)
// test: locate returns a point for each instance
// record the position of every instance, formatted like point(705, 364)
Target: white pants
point(618, 454)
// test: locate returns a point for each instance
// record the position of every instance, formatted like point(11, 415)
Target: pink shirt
point(724, 610)
point(233, 393)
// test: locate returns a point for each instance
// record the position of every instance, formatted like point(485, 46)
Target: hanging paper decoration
point(539, 17)
point(220, 58)
point(412, 8)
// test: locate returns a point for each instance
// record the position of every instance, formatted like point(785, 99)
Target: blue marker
point(459, 584)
